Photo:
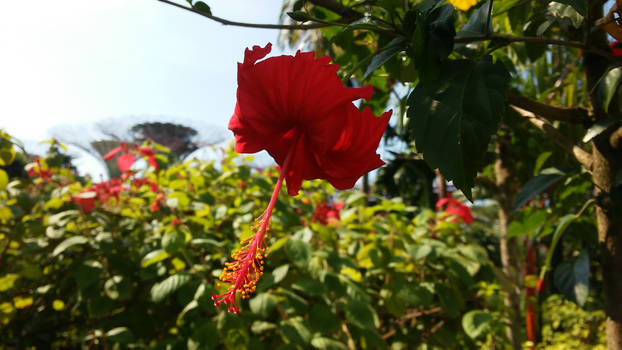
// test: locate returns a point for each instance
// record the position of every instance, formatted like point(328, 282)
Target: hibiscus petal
point(125, 162)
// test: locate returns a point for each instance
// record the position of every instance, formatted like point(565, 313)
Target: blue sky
point(79, 62)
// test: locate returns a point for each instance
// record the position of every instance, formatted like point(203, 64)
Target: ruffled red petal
point(299, 103)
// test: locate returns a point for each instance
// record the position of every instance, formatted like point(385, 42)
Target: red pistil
point(247, 266)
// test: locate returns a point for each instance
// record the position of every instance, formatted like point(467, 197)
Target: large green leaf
point(161, 290)
point(572, 278)
point(360, 314)
point(452, 126)
point(299, 252)
point(433, 41)
point(536, 185)
point(263, 304)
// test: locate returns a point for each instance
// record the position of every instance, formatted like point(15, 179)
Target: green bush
point(139, 268)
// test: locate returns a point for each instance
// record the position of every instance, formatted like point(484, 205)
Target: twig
point(251, 25)
point(538, 40)
point(566, 114)
point(583, 157)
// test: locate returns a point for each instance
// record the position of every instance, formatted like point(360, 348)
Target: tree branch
point(566, 114)
point(538, 40)
point(583, 157)
point(251, 25)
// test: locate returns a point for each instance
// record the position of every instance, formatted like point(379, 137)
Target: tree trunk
point(508, 246)
point(609, 234)
point(606, 168)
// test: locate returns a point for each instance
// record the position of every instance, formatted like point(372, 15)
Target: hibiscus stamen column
point(247, 265)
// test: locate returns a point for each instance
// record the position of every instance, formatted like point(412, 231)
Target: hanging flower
point(298, 110)
point(455, 208)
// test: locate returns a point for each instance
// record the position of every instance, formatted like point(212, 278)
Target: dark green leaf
point(263, 304)
point(448, 299)
point(299, 16)
point(360, 314)
point(69, 242)
point(202, 7)
point(536, 185)
point(572, 278)
point(393, 47)
point(598, 128)
point(453, 125)
point(299, 252)
point(161, 290)
point(476, 323)
point(433, 41)
point(475, 26)
point(327, 344)
point(121, 335)
point(608, 86)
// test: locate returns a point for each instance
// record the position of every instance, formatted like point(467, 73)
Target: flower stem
point(244, 272)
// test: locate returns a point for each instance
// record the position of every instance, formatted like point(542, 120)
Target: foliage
point(124, 272)
point(565, 325)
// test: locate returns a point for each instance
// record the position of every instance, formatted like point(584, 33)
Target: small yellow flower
point(22, 303)
point(58, 305)
point(463, 5)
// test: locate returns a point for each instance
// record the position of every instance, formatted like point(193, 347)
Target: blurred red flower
point(299, 103)
point(455, 208)
point(327, 214)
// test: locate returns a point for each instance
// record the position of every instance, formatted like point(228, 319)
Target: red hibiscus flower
point(127, 159)
point(297, 109)
point(327, 214)
point(298, 103)
point(455, 208)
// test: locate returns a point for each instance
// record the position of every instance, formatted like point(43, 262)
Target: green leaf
point(7, 155)
point(529, 221)
point(536, 185)
point(4, 179)
point(299, 16)
point(393, 47)
point(280, 273)
point(173, 240)
point(69, 242)
point(572, 278)
point(327, 344)
point(453, 125)
point(121, 335)
point(476, 323)
point(161, 290)
point(202, 7)
point(7, 281)
point(475, 26)
point(360, 314)
point(154, 257)
point(448, 299)
point(598, 127)
point(296, 330)
point(299, 252)
point(563, 224)
point(263, 304)
point(433, 41)
point(609, 85)
point(323, 319)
